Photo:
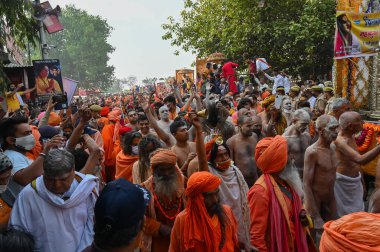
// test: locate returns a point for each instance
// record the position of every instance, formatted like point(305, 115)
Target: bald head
point(325, 120)
point(348, 119)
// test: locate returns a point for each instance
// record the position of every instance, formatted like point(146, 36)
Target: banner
point(356, 35)
point(48, 77)
point(69, 86)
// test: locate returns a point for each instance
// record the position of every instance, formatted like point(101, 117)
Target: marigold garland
point(364, 140)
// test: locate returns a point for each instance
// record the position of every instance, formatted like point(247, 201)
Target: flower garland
point(157, 201)
point(364, 140)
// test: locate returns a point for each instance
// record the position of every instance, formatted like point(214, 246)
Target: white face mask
point(135, 150)
point(3, 188)
point(26, 142)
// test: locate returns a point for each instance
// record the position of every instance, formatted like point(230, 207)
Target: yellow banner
point(357, 34)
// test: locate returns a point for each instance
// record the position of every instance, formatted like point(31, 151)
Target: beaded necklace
point(156, 199)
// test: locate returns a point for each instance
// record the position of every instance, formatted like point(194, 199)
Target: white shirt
point(286, 84)
point(57, 224)
point(19, 161)
point(278, 81)
point(312, 101)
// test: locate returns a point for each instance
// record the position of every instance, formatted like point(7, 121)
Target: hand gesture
point(51, 104)
point(144, 104)
point(191, 156)
point(194, 120)
point(85, 115)
point(55, 142)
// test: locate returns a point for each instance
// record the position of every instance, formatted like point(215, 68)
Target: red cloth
point(271, 154)
point(229, 74)
point(104, 112)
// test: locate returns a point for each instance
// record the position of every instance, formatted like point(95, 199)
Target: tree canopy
point(296, 35)
point(82, 48)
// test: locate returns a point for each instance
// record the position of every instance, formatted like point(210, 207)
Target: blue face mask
point(135, 150)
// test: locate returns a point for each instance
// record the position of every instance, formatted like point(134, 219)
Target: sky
point(140, 50)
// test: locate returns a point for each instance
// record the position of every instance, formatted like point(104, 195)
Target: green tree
point(82, 48)
point(293, 34)
point(15, 21)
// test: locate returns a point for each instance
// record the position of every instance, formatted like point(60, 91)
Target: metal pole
point(43, 43)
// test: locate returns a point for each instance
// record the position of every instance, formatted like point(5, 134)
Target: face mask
point(26, 142)
point(223, 165)
point(3, 188)
point(135, 150)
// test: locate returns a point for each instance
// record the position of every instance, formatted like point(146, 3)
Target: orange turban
point(201, 182)
point(268, 101)
point(54, 119)
point(208, 147)
point(198, 221)
point(271, 154)
point(162, 156)
point(353, 232)
point(114, 115)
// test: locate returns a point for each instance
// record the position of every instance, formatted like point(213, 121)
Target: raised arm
point(10, 94)
point(93, 161)
point(153, 122)
point(85, 116)
point(269, 77)
point(199, 144)
point(45, 119)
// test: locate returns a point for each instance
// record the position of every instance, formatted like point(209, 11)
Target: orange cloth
point(5, 214)
point(162, 156)
point(103, 120)
point(54, 119)
point(271, 154)
point(353, 232)
point(208, 147)
point(259, 204)
point(37, 149)
point(124, 164)
point(107, 134)
point(180, 226)
point(194, 228)
point(114, 116)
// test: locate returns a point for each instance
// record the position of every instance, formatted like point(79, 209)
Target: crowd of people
point(221, 165)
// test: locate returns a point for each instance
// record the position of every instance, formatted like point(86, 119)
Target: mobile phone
point(61, 100)
point(74, 109)
point(278, 102)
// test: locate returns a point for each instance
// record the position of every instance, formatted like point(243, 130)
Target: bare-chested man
point(133, 119)
point(298, 138)
point(184, 149)
point(319, 173)
point(242, 147)
point(348, 185)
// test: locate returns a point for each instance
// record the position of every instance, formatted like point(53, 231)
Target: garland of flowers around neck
point(163, 211)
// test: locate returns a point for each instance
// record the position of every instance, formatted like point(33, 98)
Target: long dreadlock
point(144, 154)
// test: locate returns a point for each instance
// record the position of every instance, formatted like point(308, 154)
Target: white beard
point(166, 188)
point(291, 176)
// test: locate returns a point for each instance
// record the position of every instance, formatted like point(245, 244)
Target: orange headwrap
point(271, 154)
point(198, 221)
point(115, 117)
point(54, 119)
point(353, 232)
point(208, 147)
point(265, 95)
point(162, 156)
point(268, 101)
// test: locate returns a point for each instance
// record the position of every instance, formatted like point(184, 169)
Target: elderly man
point(339, 106)
point(63, 197)
point(298, 138)
point(277, 216)
point(164, 122)
point(205, 224)
point(258, 127)
point(242, 147)
point(167, 187)
point(319, 173)
point(348, 185)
